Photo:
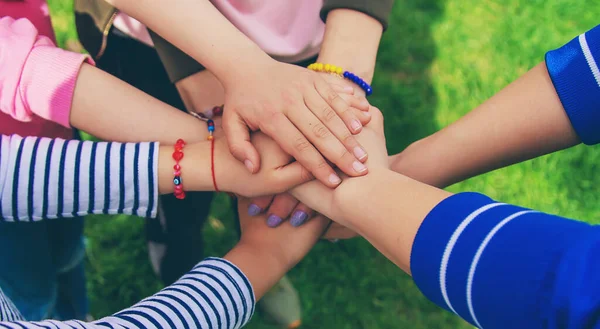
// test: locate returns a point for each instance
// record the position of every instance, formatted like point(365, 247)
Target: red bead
point(180, 196)
point(177, 155)
point(178, 148)
point(177, 167)
point(177, 173)
point(180, 142)
point(178, 188)
point(217, 110)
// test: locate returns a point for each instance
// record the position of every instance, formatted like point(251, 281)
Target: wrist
point(351, 196)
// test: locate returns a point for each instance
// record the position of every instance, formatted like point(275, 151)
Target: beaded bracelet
point(210, 124)
point(338, 71)
point(177, 156)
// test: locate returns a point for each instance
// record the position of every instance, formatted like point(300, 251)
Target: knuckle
point(321, 131)
point(347, 139)
point(322, 164)
point(332, 96)
point(328, 113)
point(301, 144)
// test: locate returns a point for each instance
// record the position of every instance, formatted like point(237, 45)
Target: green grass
point(438, 60)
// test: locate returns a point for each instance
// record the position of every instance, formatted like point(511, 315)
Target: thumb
point(292, 175)
point(238, 140)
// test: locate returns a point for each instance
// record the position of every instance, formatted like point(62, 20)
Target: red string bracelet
point(177, 156)
point(216, 111)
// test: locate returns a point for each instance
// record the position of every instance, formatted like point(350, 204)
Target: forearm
point(523, 121)
point(200, 30)
point(351, 41)
point(111, 109)
point(214, 294)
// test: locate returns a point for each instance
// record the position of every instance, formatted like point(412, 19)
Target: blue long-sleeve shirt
point(502, 266)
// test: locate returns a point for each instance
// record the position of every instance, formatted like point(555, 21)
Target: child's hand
point(329, 202)
point(301, 112)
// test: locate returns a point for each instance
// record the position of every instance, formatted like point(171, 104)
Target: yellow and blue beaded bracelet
point(332, 69)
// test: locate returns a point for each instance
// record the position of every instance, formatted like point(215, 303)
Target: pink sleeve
point(36, 77)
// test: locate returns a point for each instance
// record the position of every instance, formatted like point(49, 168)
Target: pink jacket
point(37, 79)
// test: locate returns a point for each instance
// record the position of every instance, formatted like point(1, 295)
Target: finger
point(329, 106)
point(260, 204)
point(300, 215)
point(358, 102)
point(363, 116)
point(329, 144)
point(340, 89)
point(290, 176)
point(281, 208)
point(327, 116)
point(238, 139)
point(294, 143)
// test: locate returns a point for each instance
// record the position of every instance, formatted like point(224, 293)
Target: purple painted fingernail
point(298, 218)
point(274, 220)
point(254, 210)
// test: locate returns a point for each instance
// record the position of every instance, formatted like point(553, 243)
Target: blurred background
point(438, 60)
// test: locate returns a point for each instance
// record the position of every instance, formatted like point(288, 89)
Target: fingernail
point(254, 210)
point(249, 165)
point(356, 125)
point(298, 218)
point(359, 153)
point(274, 220)
point(359, 166)
point(334, 179)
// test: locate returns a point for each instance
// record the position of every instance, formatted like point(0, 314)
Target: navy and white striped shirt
point(43, 178)
point(214, 295)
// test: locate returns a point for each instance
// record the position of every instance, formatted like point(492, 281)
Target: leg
point(68, 255)
point(28, 276)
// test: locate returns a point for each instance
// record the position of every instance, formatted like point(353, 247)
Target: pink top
point(36, 77)
point(288, 30)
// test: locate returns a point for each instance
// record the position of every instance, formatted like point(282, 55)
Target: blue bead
point(369, 91)
point(346, 74)
point(210, 122)
point(211, 128)
point(177, 180)
point(363, 85)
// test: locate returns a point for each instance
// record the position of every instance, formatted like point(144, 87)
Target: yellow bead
point(319, 67)
point(339, 70)
point(327, 68)
point(311, 66)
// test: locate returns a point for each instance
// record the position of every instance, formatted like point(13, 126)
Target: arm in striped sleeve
point(576, 78)
point(215, 294)
point(43, 178)
point(502, 266)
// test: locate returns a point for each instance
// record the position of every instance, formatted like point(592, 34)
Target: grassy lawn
point(438, 60)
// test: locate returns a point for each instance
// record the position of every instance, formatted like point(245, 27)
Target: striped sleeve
point(43, 178)
point(214, 295)
point(502, 266)
point(574, 71)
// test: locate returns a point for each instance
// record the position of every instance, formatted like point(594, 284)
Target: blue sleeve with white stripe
point(574, 71)
point(43, 178)
point(502, 266)
point(214, 295)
